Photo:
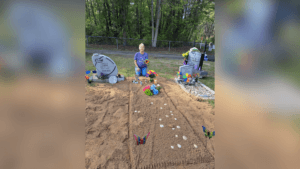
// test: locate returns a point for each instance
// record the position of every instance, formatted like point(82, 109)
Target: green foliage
point(113, 18)
point(158, 88)
point(148, 92)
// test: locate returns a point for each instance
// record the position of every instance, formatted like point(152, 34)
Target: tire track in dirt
point(152, 142)
point(189, 123)
point(130, 126)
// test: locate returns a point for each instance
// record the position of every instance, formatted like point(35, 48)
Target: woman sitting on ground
point(139, 61)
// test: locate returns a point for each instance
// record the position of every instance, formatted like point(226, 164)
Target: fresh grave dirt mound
point(114, 113)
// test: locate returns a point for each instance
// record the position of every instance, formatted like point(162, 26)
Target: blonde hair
point(141, 45)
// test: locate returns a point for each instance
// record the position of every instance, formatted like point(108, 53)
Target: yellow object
point(187, 74)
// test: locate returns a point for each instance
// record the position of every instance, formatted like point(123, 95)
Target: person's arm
point(135, 63)
point(135, 57)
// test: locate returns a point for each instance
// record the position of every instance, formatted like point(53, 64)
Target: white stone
point(178, 127)
point(175, 118)
point(159, 119)
point(167, 116)
point(176, 135)
point(173, 128)
point(161, 125)
point(184, 137)
point(113, 79)
point(179, 146)
point(160, 107)
point(172, 147)
point(195, 146)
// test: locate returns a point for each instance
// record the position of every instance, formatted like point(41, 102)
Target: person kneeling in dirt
point(139, 61)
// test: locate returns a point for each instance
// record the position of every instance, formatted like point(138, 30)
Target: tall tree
point(152, 23)
point(157, 23)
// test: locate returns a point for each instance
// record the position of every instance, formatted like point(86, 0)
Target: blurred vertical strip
point(257, 84)
point(42, 46)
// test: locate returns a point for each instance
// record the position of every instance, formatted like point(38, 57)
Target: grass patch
point(211, 102)
point(166, 68)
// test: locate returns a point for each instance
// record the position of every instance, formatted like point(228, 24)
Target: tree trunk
point(93, 12)
point(108, 12)
point(114, 19)
point(137, 17)
point(157, 23)
point(152, 24)
point(124, 24)
point(106, 19)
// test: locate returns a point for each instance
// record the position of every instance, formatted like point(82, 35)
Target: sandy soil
point(111, 122)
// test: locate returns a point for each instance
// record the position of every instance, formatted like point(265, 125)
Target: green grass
point(166, 68)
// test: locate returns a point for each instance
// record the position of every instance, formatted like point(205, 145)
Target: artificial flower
point(147, 75)
point(148, 92)
point(146, 87)
point(86, 77)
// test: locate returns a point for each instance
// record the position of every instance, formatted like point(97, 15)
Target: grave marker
point(104, 65)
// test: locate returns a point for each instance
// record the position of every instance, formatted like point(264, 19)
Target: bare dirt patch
point(111, 122)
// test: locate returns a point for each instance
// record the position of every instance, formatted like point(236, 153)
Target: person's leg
point(138, 72)
point(144, 71)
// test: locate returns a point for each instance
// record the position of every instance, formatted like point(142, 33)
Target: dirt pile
point(114, 113)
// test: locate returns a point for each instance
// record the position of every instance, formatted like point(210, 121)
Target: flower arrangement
point(187, 77)
point(87, 77)
point(153, 90)
point(103, 76)
point(152, 74)
point(186, 54)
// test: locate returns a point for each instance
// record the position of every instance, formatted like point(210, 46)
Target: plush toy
point(155, 91)
point(152, 87)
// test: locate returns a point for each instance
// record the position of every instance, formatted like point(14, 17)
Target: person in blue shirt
point(139, 61)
